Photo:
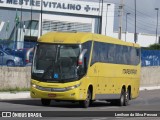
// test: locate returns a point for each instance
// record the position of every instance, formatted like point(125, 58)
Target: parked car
point(27, 60)
point(10, 60)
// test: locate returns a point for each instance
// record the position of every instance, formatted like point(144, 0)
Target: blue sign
point(56, 76)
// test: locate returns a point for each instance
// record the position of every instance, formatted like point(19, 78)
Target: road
point(147, 101)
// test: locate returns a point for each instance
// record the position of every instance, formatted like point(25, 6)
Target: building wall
point(85, 9)
point(70, 8)
point(143, 40)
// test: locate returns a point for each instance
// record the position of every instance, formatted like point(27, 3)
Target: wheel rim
point(10, 64)
point(126, 98)
point(122, 99)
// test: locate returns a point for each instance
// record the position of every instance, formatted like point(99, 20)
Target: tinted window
point(95, 53)
point(87, 45)
point(117, 54)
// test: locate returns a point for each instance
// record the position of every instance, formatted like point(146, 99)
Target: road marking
point(100, 119)
point(118, 117)
point(109, 108)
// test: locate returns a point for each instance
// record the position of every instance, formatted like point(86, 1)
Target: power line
point(141, 27)
point(143, 22)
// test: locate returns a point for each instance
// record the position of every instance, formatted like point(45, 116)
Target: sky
point(146, 15)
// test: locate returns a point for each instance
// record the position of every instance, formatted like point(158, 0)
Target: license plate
point(51, 95)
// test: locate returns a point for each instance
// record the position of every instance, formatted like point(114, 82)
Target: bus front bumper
point(73, 94)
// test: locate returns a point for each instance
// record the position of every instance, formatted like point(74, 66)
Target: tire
point(85, 103)
point(126, 101)
point(10, 63)
point(121, 101)
point(45, 102)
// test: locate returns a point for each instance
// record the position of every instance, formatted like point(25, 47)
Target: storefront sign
point(80, 7)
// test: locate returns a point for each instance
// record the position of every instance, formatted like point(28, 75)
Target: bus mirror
point(28, 54)
point(81, 57)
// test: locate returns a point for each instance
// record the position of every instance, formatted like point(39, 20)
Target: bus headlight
point(73, 87)
point(33, 85)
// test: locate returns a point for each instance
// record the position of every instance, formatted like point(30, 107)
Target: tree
point(154, 47)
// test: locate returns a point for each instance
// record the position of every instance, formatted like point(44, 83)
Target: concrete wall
point(150, 76)
point(12, 77)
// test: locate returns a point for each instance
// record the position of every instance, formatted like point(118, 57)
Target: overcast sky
point(146, 15)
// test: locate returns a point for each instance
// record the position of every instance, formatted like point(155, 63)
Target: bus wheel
point(126, 101)
point(45, 102)
point(122, 98)
point(85, 103)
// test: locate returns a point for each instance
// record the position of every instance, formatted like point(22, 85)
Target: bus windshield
point(55, 62)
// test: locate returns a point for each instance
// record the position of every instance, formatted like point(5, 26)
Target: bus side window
point(87, 45)
point(95, 53)
point(102, 52)
point(137, 55)
point(133, 56)
point(126, 55)
point(119, 55)
point(111, 53)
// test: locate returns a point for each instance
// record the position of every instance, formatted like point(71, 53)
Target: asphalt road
point(147, 101)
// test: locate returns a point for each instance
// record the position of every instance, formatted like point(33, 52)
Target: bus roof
point(80, 37)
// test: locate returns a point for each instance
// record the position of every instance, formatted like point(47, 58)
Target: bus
point(84, 67)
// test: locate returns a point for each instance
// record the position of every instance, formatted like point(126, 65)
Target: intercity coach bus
point(85, 67)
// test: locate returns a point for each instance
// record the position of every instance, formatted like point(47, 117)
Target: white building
point(142, 39)
point(59, 15)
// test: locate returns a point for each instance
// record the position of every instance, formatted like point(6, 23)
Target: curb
point(26, 95)
point(18, 95)
point(149, 88)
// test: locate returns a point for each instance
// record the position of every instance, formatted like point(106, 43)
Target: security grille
point(65, 26)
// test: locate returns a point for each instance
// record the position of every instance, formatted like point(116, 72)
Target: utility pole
point(21, 25)
point(157, 25)
point(41, 17)
point(120, 19)
point(31, 22)
point(100, 28)
point(126, 25)
point(106, 19)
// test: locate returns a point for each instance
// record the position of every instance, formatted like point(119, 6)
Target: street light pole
point(41, 17)
point(100, 28)
point(106, 19)
point(135, 32)
point(31, 22)
point(120, 19)
point(21, 24)
point(157, 24)
point(126, 25)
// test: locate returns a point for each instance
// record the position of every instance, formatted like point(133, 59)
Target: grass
point(14, 90)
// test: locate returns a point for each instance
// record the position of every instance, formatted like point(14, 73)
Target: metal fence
point(14, 53)
point(150, 57)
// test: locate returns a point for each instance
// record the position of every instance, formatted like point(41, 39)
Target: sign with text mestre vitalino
point(65, 6)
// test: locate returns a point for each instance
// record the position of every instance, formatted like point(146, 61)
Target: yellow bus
point(85, 67)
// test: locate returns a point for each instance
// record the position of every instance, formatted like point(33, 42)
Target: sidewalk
point(149, 88)
point(26, 95)
point(17, 95)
